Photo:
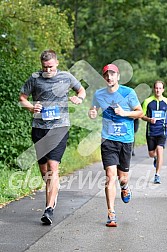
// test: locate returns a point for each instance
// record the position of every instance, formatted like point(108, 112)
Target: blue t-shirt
point(115, 127)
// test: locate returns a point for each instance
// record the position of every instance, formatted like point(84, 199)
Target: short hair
point(48, 55)
point(163, 83)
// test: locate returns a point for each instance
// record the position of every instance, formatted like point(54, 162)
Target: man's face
point(158, 89)
point(111, 78)
point(49, 68)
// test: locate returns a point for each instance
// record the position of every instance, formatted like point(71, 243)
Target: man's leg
point(123, 178)
point(110, 191)
point(51, 178)
point(156, 151)
point(159, 162)
point(152, 148)
point(133, 147)
point(49, 172)
point(125, 191)
point(52, 183)
point(43, 169)
point(110, 187)
point(153, 153)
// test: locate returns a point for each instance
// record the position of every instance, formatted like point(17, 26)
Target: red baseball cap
point(111, 67)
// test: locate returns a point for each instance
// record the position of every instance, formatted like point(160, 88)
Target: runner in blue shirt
point(155, 114)
point(120, 106)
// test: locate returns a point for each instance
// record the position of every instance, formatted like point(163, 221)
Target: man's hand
point(37, 107)
point(152, 120)
point(75, 100)
point(93, 113)
point(119, 111)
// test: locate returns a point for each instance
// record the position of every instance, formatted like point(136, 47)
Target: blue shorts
point(116, 153)
point(50, 144)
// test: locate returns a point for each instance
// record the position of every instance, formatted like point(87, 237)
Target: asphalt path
point(81, 214)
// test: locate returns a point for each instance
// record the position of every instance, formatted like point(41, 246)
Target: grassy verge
point(16, 184)
point(140, 137)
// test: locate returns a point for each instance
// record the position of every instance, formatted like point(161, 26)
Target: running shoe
point(47, 216)
point(112, 220)
point(126, 195)
point(155, 162)
point(157, 179)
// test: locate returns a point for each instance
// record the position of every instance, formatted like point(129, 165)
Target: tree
point(27, 28)
point(108, 30)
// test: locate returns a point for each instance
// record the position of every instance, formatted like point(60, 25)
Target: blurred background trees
point(97, 31)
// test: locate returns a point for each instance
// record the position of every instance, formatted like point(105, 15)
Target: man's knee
point(152, 154)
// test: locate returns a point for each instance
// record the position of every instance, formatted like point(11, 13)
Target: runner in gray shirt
point(49, 89)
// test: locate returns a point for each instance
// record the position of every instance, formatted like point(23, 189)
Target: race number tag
point(117, 129)
point(50, 113)
point(158, 114)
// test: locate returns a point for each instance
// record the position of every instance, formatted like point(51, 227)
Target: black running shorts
point(116, 153)
point(154, 141)
point(50, 144)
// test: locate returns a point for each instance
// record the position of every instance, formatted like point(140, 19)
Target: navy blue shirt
point(157, 109)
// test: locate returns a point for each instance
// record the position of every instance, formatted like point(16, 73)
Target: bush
point(15, 123)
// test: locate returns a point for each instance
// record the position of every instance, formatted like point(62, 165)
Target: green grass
point(140, 136)
point(72, 160)
point(15, 184)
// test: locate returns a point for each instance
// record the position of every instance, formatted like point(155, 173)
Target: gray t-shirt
point(53, 95)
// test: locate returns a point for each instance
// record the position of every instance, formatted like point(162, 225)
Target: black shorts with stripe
point(50, 144)
point(116, 153)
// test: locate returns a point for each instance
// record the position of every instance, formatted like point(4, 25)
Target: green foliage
point(131, 30)
point(14, 123)
point(76, 134)
point(16, 184)
point(72, 160)
point(27, 29)
point(30, 28)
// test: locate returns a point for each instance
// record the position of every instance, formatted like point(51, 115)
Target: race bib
point(158, 114)
point(50, 113)
point(117, 129)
